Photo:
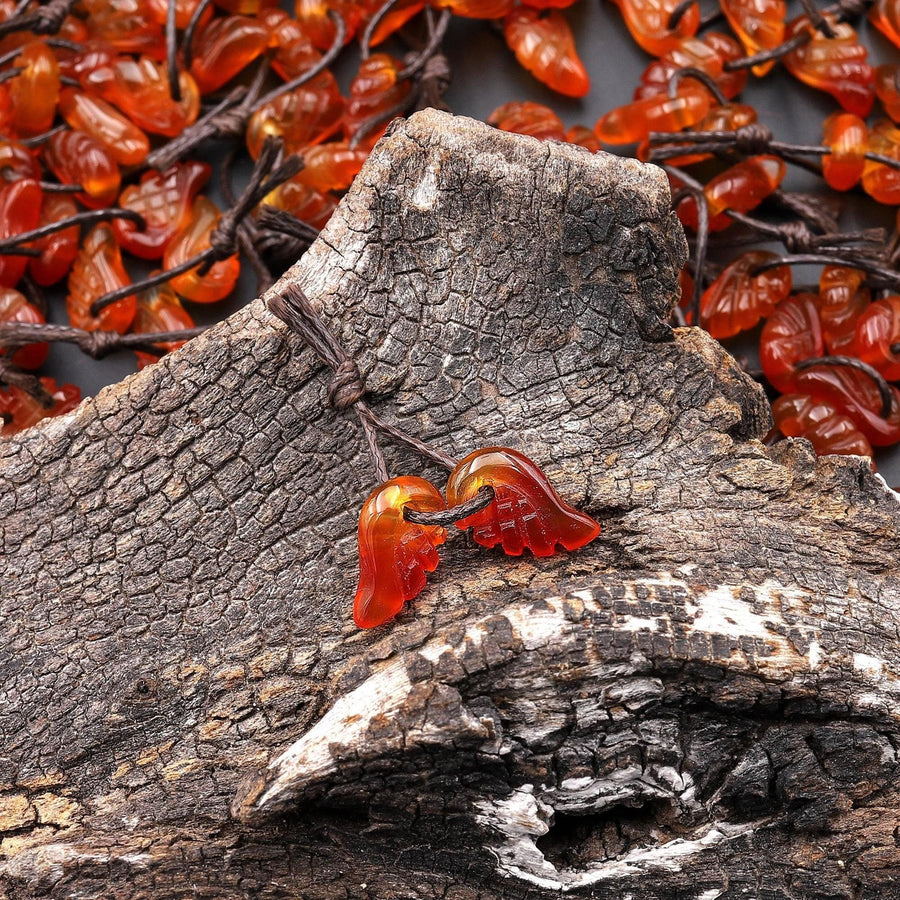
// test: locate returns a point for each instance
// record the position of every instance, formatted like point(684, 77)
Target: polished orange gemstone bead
point(124, 141)
point(219, 281)
point(738, 299)
point(58, 250)
point(856, 395)
point(17, 161)
point(733, 82)
point(759, 25)
point(740, 188)
point(887, 89)
point(97, 270)
point(331, 166)
point(885, 16)
point(304, 202)
point(544, 45)
point(312, 15)
point(526, 511)
point(125, 25)
point(821, 423)
point(648, 22)
point(400, 13)
point(877, 329)
point(842, 299)
point(14, 307)
point(77, 158)
point(246, 7)
point(634, 121)
point(35, 91)
point(225, 47)
point(93, 61)
point(583, 137)
point(375, 91)
point(20, 207)
point(159, 309)
point(476, 9)
point(527, 117)
point(847, 137)
point(140, 88)
point(728, 117)
point(708, 54)
point(394, 554)
point(158, 11)
point(835, 65)
point(879, 181)
point(19, 410)
point(164, 200)
point(295, 53)
point(792, 333)
point(301, 117)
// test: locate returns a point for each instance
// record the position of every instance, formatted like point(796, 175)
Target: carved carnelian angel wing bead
point(395, 555)
point(526, 512)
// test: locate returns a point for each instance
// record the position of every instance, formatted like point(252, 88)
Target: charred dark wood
point(701, 704)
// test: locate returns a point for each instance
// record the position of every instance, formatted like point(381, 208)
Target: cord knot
point(797, 238)
point(346, 386)
point(98, 344)
point(49, 19)
point(231, 122)
point(223, 238)
point(752, 139)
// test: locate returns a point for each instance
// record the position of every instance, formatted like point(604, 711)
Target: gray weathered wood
point(701, 704)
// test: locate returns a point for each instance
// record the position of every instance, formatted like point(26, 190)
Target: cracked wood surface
point(701, 704)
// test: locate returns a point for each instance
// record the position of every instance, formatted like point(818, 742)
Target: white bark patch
point(311, 758)
point(522, 818)
point(815, 654)
point(868, 665)
point(755, 645)
point(424, 197)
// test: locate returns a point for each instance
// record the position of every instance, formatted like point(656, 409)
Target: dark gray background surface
point(485, 75)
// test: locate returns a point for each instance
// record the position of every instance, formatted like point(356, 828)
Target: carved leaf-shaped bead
point(394, 554)
point(526, 511)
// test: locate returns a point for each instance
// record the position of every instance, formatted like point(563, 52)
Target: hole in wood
point(579, 841)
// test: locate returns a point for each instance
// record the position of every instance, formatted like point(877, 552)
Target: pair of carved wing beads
point(498, 493)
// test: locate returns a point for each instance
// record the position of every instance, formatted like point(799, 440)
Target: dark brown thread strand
point(444, 518)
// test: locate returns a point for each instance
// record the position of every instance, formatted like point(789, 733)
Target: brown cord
point(88, 217)
point(224, 237)
point(435, 39)
point(281, 235)
point(697, 75)
point(172, 50)
point(95, 344)
point(365, 40)
point(46, 19)
point(677, 14)
point(227, 119)
point(187, 39)
point(347, 387)
point(444, 518)
point(884, 389)
point(817, 19)
point(14, 377)
point(340, 33)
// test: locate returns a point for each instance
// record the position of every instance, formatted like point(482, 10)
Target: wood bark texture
point(702, 704)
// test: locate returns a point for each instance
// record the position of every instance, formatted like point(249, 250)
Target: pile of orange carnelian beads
point(83, 111)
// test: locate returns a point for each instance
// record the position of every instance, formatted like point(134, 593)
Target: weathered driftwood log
point(701, 704)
